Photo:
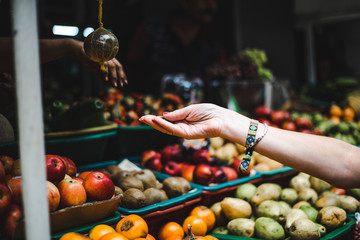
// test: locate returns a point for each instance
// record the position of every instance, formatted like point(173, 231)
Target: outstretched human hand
point(192, 122)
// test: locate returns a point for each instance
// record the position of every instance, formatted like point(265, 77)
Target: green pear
point(245, 191)
point(268, 228)
point(310, 211)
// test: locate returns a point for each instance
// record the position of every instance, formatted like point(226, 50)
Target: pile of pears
point(305, 209)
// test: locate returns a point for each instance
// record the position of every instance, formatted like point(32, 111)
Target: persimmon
point(132, 226)
point(348, 114)
point(335, 110)
point(113, 236)
point(198, 225)
point(150, 237)
point(100, 230)
point(73, 236)
point(209, 237)
point(170, 229)
point(174, 237)
point(205, 214)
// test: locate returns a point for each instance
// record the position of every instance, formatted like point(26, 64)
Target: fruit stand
point(91, 170)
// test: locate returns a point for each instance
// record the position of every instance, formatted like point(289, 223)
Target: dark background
point(278, 27)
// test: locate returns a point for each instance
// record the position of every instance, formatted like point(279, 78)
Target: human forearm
point(327, 158)
point(53, 49)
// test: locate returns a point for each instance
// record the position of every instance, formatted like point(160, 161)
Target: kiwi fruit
point(118, 190)
point(118, 175)
point(176, 186)
point(147, 177)
point(154, 195)
point(129, 182)
point(133, 198)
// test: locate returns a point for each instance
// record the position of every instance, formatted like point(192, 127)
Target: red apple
point(171, 153)
point(172, 168)
point(230, 172)
point(303, 123)
point(98, 186)
point(201, 156)
point(70, 166)
point(15, 185)
point(10, 219)
point(317, 131)
point(72, 193)
point(55, 168)
point(8, 163)
point(187, 171)
point(147, 155)
point(154, 164)
point(78, 179)
point(83, 175)
point(262, 112)
point(219, 175)
point(203, 174)
point(53, 195)
point(288, 125)
point(5, 198)
point(277, 117)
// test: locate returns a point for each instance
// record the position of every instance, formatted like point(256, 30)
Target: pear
point(268, 228)
point(308, 194)
point(322, 229)
point(300, 203)
point(219, 214)
point(327, 200)
point(293, 215)
point(266, 191)
point(289, 195)
point(241, 227)
point(310, 211)
point(245, 191)
point(235, 208)
point(331, 217)
point(319, 185)
point(304, 229)
point(271, 209)
point(348, 203)
point(299, 182)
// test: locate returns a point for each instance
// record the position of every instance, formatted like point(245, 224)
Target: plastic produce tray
point(194, 193)
point(133, 141)
point(339, 233)
point(85, 229)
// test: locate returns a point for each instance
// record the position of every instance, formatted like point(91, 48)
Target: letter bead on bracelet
point(250, 144)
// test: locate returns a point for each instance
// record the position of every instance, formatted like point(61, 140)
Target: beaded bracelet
point(250, 143)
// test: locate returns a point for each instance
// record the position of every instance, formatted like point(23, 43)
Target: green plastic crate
point(339, 233)
point(85, 229)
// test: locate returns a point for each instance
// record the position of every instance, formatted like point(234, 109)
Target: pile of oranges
point(134, 227)
point(337, 114)
point(131, 227)
point(201, 219)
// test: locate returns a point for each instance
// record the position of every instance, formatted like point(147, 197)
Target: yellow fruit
point(100, 230)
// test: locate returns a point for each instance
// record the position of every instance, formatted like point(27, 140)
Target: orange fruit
point(132, 226)
point(335, 119)
point(198, 225)
point(73, 236)
point(348, 114)
point(209, 237)
point(170, 229)
point(205, 214)
point(113, 236)
point(174, 237)
point(100, 230)
point(335, 110)
point(150, 237)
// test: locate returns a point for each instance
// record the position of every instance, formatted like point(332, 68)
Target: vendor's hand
point(192, 122)
point(113, 73)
